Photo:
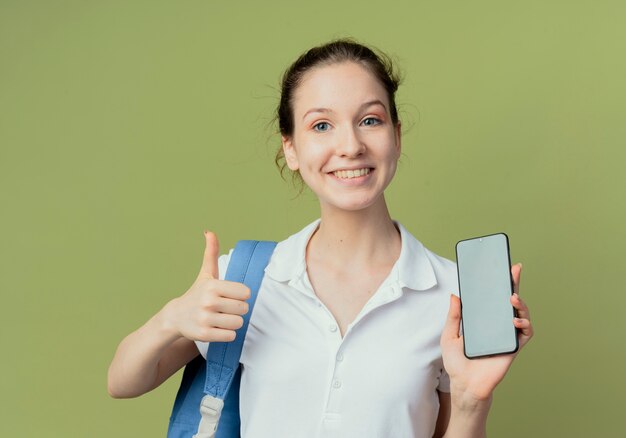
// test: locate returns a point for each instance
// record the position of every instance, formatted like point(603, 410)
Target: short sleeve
point(222, 265)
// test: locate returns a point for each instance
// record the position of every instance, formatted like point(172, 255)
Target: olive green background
point(126, 128)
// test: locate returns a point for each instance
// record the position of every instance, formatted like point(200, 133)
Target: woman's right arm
point(147, 357)
point(210, 311)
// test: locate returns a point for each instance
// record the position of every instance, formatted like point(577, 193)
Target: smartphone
point(485, 288)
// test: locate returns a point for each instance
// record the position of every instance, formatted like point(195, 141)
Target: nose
point(350, 144)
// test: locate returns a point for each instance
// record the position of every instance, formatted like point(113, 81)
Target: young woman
point(349, 336)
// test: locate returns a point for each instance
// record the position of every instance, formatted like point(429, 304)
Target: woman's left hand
point(477, 378)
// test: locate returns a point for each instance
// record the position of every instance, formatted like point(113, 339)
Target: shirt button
point(337, 384)
point(339, 357)
point(332, 328)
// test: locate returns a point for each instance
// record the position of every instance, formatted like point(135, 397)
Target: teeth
point(351, 173)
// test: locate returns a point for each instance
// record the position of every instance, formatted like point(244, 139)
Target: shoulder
point(286, 256)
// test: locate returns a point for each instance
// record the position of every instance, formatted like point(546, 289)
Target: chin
point(353, 204)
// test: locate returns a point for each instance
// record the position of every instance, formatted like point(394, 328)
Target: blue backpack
point(208, 396)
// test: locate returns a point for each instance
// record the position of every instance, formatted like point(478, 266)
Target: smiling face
point(344, 143)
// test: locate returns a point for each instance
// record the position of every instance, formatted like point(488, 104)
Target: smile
point(348, 174)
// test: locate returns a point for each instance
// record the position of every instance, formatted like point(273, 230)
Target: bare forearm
point(468, 417)
point(135, 366)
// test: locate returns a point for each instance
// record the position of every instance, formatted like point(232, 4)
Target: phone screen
point(485, 288)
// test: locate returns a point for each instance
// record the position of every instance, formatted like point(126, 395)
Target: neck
point(356, 238)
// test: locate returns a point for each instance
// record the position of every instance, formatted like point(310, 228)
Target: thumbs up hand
point(210, 311)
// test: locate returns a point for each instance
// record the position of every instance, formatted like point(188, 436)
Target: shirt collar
point(412, 270)
point(288, 261)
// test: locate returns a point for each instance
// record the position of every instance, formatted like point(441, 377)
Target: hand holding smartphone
point(485, 288)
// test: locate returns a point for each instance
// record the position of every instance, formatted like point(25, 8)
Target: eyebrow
point(328, 110)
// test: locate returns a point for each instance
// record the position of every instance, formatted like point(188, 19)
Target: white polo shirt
point(302, 379)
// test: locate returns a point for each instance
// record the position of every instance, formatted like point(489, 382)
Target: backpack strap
point(247, 265)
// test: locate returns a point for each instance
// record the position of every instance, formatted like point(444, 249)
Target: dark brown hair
point(334, 52)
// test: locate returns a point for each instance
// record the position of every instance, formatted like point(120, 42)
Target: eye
point(321, 126)
point(371, 121)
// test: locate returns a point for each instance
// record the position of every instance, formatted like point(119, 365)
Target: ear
point(291, 158)
point(398, 132)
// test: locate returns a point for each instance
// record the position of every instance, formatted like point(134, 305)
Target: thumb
point(451, 328)
point(211, 253)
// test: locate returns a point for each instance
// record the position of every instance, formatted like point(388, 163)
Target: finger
point(516, 272)
point(226, 321)
point(233, 290)
point(217, 335)
point(232, 307)
point(525, 328)
point(211, 253)
point(451, 327)
point(520, 306)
